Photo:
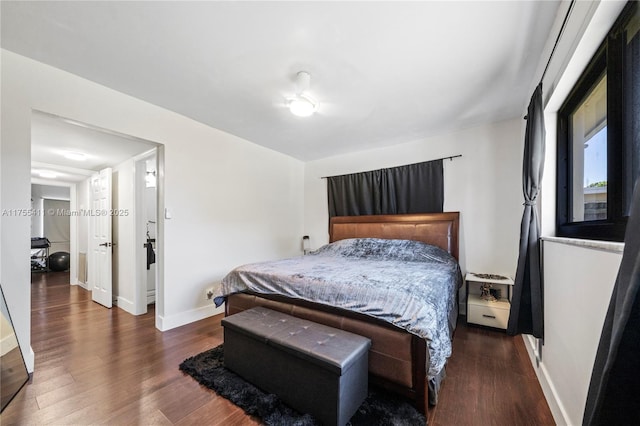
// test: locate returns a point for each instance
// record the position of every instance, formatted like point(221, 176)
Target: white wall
point(82, 228)
point(38, 194)
point(123, 233)
point(151, 217)
point(83, 194)
point(484, 185)
point(53, 192)
point(578, 282)
point(37, 223)
point(231, 201)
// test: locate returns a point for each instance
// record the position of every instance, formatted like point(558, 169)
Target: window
point(599, 138)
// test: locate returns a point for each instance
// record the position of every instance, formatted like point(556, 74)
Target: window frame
point(609, 59)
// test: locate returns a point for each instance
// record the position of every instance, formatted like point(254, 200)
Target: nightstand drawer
point(492, 316)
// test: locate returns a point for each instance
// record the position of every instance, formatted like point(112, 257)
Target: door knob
point(105, 245)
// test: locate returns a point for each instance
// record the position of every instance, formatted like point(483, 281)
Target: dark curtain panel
point(415, 188)
point(614, 391)
point(632, 112)
point(526, 306)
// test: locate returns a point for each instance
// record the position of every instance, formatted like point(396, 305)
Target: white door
point(100, 240)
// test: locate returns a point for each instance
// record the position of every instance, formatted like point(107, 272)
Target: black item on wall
point(526, 315)
point(614, 388)
point(151, 254)
point(414, 188)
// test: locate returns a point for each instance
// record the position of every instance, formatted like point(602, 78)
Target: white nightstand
point(484, 312)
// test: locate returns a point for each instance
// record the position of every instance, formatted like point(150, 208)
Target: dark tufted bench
point(315, 369)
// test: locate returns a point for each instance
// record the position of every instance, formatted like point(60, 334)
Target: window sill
point(609, 246)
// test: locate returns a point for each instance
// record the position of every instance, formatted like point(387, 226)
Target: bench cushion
point(330, 348)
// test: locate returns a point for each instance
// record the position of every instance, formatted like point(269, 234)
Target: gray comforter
point(407, 283)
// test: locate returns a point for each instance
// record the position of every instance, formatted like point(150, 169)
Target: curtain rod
point(451, 157)
point(562, 28)
point(555, 45)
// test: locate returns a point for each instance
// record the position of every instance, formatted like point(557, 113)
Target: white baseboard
point(551, 395)
point(126, 305)
point(74, 280)
point(151, 296)
point(164, 323)
point(30, 360)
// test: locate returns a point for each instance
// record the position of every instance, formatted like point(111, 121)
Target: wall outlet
point(209, 293)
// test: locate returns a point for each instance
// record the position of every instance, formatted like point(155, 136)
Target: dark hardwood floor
point(104, 366)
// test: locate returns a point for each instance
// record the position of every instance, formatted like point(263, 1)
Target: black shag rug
point(380, 408)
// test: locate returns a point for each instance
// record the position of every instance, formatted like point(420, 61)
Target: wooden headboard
point(438, 229)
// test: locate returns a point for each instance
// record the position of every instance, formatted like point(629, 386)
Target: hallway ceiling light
point(302, 105)
point(47, 174)
point(76, 156)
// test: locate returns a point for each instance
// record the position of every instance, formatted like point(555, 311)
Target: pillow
point(384, 249)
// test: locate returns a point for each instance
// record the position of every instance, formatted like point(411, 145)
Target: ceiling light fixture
point(47, 174)
point(76, 156)
point(302, 105)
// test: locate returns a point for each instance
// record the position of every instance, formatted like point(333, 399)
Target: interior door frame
point(140, 301)
point(162, 212)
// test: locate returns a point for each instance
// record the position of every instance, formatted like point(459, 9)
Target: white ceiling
point(384, 72)
point(52, 137)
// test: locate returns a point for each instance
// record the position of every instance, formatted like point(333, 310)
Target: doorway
point(70, 152)
point(51, 226)
point(146, 166)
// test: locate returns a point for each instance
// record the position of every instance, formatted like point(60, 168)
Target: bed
point(403, 357)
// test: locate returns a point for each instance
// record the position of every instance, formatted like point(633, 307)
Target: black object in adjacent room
point(59, 261)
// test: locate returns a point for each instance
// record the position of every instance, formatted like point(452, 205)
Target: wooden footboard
point(397, 359)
